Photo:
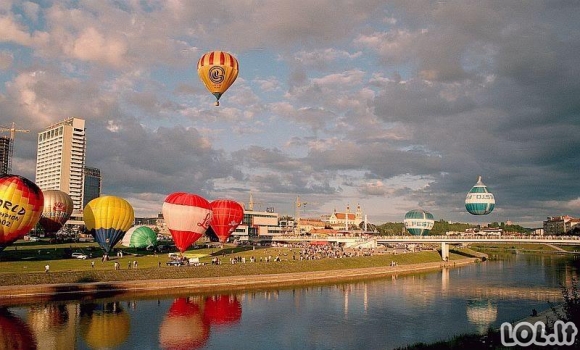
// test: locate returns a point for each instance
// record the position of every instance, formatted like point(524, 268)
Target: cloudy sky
point(393, 105)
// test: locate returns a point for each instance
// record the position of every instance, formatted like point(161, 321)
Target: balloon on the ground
point(187, 217)
point(108, 218)
point(140, 237)
point(21, 204)
point(217, 70)
point(419, 222)
point(226, 216)
point(479, 200)
point(57, 209)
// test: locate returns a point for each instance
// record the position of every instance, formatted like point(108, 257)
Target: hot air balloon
point(21, 204)
point(58, 207)
point(184, 326)
point(108, 218)
point(479, 200)
point(140, 237)
point(419, 222)
point(222, 310)
point(226, 216)
point(217, 70)
point(187, 217)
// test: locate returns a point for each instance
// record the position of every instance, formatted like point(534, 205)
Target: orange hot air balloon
point(187, 217)
point(226, 216)
point(58, 207)
point(217, 70)
point(21, 204)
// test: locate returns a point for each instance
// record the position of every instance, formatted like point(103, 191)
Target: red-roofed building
point(339, 221)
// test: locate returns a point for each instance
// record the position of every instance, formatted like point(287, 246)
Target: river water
point(377, 314)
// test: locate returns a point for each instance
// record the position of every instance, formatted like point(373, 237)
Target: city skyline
point(394, 106)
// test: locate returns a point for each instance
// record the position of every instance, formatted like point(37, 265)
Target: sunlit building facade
point(60, 159)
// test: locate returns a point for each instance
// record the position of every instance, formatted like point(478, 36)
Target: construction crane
point(13, 131)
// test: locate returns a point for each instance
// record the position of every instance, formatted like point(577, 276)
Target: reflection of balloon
point(479, 200)
point(14, 333)
point(226, 216)
point(187, 217)
point(184, 326)
point(222, 309)
point(140, 237)
point(419, 222)
point(217, 70)
point(104, 326)
point(481, 313)
point(20, 207)
point(108, 218)
point(58, 207)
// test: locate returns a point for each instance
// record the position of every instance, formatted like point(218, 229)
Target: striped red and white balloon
point(187, 217)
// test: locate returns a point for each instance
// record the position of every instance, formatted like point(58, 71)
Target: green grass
point(24, 264)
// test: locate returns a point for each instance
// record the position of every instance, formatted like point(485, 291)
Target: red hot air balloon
point(184, 326)
point(227, 215)
point(223, 310)
point(187, 217)
point(21, 203)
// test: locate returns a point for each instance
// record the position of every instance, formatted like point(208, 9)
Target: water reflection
point(184, 325)
point(481, 313)
point(54, 325)
point(384, 313)
point(15, 333)
point(105, 325)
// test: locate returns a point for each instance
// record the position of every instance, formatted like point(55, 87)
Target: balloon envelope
point(106, 327)
point(14, 332)
point(58, 206)
point(140, 237)
point(21, 204)
point(184, 326)
point(217, 70)
point(418, 222)
point(479, 201)
point(187, 217)
point(226, 216)
point(223, 309)
point(108, 218)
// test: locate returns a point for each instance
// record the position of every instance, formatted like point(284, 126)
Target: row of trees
point(441, 227)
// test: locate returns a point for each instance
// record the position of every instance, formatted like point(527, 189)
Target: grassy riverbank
point(25, 265)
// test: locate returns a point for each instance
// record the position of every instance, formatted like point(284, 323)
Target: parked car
point(175, 263)
point(79, 256)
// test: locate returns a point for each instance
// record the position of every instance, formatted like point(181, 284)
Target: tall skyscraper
point(93, 184)
point(60, 159)
point(4, 154)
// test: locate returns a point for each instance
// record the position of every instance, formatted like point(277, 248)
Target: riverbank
point(21, 294)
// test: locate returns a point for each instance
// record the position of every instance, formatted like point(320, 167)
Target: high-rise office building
point(4, 154)
point(92, 186)
point(60, 159)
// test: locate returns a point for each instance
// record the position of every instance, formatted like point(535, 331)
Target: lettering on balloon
point(16, 212)
point(59, 206)
point(217, 74)
point(205, 222)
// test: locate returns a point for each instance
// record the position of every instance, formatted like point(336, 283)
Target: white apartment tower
point(60, 159)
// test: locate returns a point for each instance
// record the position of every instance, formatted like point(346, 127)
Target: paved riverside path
point(35, 293)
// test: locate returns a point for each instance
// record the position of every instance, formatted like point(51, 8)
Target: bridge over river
point(445, 241)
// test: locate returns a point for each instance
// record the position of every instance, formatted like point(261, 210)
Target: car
point(79, 256)
point(175, 263)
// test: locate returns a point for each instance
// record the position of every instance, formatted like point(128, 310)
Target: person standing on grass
point(46, 268)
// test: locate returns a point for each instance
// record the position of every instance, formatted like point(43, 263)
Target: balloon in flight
point(187, 217)
point(108, 218)
point(21, 204)
point(226, 216)
point(419, 222)
point(217, 70)
point(58, 207)
point(479, 200)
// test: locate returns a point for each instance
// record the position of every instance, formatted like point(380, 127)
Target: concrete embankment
point(35, 293)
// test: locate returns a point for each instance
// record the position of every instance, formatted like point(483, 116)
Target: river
point(377, 314)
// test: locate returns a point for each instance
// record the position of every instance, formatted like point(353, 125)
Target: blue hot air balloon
point(479, 200)
point(419, 222)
